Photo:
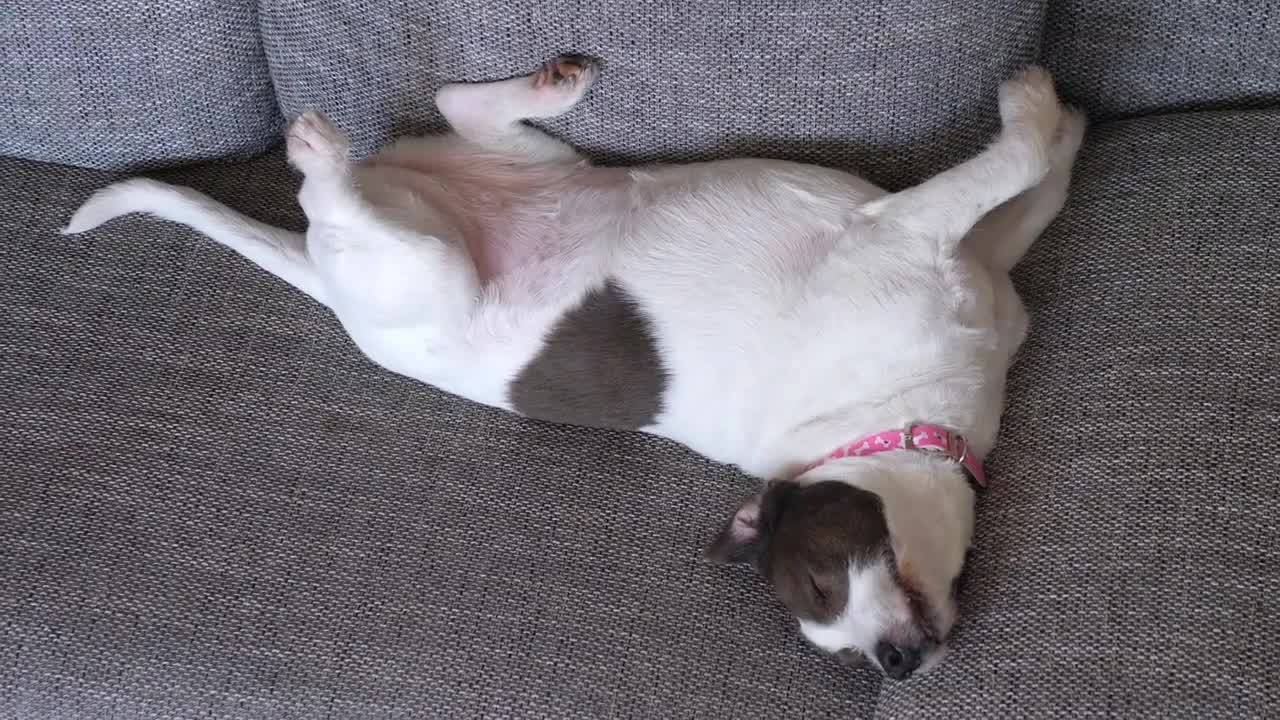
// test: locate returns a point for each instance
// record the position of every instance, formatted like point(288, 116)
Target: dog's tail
point(278, 251)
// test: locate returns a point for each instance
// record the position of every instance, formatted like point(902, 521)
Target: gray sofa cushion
point(1127, 57)
point(1127, 558)
point(134, 83)
point(212, 506)
point(897, 90)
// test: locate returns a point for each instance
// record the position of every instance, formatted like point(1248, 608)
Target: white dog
point(846, 343)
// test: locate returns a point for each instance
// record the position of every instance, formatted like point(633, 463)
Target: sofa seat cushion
point(212, 506)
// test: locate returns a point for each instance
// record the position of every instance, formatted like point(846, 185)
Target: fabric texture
point(1129, 57)
point(1127, 554)
point(212, 506)
point(896, 90)
point(134, 83)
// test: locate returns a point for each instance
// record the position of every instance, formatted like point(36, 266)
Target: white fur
point(795, 307)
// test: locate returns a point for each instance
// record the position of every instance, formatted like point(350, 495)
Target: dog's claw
point(566, 71)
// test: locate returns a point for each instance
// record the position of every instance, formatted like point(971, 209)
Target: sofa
point(212, 506)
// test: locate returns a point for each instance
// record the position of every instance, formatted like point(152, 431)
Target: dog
point(846, 344)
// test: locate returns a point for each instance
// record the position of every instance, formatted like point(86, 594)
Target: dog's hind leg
point(945, 207)
point(1005, 234)
point(490, 114)
point(383, 273)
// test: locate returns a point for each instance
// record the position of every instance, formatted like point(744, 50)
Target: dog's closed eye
point(825, 593)
point(819, 594)
point(852, 657)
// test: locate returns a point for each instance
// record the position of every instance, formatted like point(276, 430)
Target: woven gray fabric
point(134, 83)
point(211, 506)
point(1127, 558)
point(1128, 57)
point(897, 90)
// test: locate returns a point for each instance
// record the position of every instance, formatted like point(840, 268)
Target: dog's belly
point(602, 361)
point(516, 219)
point(702, 293)
point(749, 319)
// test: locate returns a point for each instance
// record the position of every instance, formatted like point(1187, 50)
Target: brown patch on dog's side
point(598, 367)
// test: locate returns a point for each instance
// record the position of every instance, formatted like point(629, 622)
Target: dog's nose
point(898, 662)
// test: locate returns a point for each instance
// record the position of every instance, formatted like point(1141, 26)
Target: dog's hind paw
point(567, 73)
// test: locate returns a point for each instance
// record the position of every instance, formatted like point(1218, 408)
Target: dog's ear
point(739, 540)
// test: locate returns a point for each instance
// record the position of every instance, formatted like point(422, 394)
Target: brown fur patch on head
point(822, 530)
point(804, 538)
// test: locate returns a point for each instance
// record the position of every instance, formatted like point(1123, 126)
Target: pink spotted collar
point(929, 438)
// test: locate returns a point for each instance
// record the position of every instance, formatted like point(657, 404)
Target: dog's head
point(866, 554)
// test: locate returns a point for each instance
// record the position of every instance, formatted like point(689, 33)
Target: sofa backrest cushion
point(896, 89)
point(127, 84)
point(1133, 57)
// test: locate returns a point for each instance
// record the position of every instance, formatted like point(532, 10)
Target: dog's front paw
point(1029, 107)
point(567, 74)
point(315, 145)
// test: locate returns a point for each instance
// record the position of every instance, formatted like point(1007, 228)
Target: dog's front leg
point(945, 207)
point(489, 114)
